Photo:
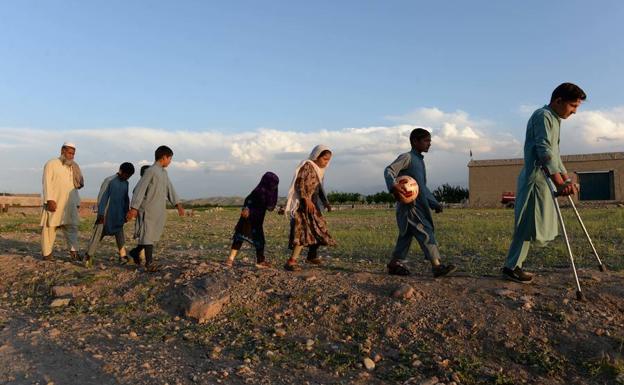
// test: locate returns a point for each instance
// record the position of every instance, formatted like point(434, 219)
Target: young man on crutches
point(536, 218)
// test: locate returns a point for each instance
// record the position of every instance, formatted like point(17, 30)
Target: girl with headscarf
point(306, 197)
point(249, 227)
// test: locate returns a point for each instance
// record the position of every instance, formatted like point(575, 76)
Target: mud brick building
point(601, 177)
point(32, 203)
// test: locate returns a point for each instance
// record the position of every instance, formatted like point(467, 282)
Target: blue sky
point(227, 71)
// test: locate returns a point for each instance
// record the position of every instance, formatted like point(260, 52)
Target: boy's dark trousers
point(404, 242)
point(236, 245)
point(149, 250)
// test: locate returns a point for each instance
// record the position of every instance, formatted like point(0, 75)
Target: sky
point(238, 88)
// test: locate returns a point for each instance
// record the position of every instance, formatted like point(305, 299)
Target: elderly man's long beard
point(65, 161)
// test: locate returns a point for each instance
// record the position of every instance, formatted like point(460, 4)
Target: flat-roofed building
point(601, 178)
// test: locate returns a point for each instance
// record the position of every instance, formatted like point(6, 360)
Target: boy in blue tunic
point(112, 207)
point(415, 219)
point(535, 215)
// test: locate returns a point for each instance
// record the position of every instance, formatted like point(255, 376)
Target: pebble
point(244, 371)
point(505, 293)
point(404, 291)
point(133, 335)
point(54, 333)
point(59, 302)
point(280, 332)
point(430, 381)
point(369, 364)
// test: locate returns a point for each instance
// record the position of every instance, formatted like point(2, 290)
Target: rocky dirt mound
point(196, 322)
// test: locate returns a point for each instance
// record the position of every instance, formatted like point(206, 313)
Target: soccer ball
point(408, 184)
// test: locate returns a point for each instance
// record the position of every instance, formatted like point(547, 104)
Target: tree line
point(445, 193)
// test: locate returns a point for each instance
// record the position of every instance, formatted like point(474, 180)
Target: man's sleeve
point(48, 183)
point(171, 193)
point(543, 133)
point(392, 171)
point(141, 188)
point(103, 196)
point(431, 200)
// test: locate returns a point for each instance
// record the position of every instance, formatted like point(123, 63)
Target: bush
point(450, 194)
point(380, 197)
point(343, 197)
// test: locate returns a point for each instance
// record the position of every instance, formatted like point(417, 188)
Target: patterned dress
point(309, 229)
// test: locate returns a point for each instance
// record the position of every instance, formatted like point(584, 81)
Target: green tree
point(450, 194)
point(344, 197)
point(380, 197)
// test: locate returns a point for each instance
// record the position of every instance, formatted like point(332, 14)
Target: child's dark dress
point(250, 229)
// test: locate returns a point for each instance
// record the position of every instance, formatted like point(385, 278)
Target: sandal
point(397, 268)
point(74, 256)
point(152, 268)
point(315, 261)
point(228, 263)
point(291, 267)
point(263, 265)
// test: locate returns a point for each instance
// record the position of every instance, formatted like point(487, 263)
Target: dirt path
point(314, 326)
point(30, 356)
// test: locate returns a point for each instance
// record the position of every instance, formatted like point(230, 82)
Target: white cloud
point(211, 163)
point(192, 165)
point(594, 130)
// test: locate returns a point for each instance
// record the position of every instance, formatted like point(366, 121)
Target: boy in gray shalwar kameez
point(415, 219)
point(149, 203)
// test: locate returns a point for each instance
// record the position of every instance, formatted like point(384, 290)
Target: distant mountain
point(223, 201)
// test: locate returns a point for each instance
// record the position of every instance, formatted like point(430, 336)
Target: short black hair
point(418, 134)
point(162, 152)
point(568, 92)
point(143, 168)
point(127, 168)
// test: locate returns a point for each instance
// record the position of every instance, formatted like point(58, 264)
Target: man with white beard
point(61, 180)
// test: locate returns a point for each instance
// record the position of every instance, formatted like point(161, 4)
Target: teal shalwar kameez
point(535, 214)
point(414, 220)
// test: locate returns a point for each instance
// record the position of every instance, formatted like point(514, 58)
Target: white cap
point(69, 144)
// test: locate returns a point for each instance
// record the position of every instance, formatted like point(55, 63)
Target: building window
point(596, 185)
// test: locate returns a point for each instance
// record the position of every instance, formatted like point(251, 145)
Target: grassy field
point(475, 239)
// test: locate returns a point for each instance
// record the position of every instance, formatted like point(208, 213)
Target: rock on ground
point(204, 298)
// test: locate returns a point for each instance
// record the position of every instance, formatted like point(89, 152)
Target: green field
point(475, 239)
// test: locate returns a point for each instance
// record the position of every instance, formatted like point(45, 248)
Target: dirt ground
point(322, 325)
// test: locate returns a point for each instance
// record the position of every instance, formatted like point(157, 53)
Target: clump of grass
point(605, 366)
point(539, 356)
